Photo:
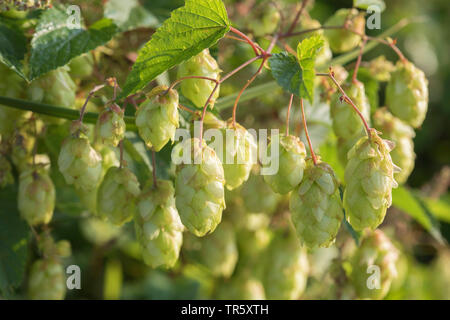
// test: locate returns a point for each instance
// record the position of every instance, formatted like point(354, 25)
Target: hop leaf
point(158, 225)
point(79, 163)
point(286, 269)
point(199, 188)
point(402, 135)
point(375, 251)
point(199, 90)
point(36, 197)
point(324, 53)
point(316, 208)
point(47, 280)
point(407, 94)
point(342, 40)
point(369, 175)
point(239, 154)
point(117, 195)
point(111, 126)
point(291, 159)
point(157, 118)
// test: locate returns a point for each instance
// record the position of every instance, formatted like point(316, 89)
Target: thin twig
point(288, 114)
point(358, 61)
point(297, 16)
point(313, 155)
point(155, 180)
point(189, 77)
point(249, 41)
point(204, 112)
point(91, 93)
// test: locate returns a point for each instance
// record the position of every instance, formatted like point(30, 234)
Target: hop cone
point(264, 21)
point(199, 189)
point(291, 159)
point(111, 126)
point(369, 175)
point(407, 94)
point(381, 68)
point(11, 85)
point(47, 280)
point(6, 176)
point(376, 252)
point(258, 196)
point(217, 252)
point(79, 163)
point(346, 122)
point(243, 286)
point(117, 195)
point(239, 154)
point(36, 197)
point(158, 225)
point(286, 269)
point(316, 208)
point(402, 135)
point(199, 90)
point(56, 88)
point(82, 66)
point(342, 40)
point(157, 118)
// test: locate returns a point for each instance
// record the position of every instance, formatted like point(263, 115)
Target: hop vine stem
point(313, 155)
point(288, 114)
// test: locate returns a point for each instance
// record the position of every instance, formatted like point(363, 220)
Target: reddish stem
point(358, 61)
point(204, 112)
point(91, 93)
point(249, 41)
point(288, 114)
point(190, 77)
point(242, 66)
point(313, 155)
point(297, 16)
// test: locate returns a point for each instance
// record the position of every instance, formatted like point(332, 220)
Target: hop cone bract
point(342, 40)
point(111, 126)
point(47, 280)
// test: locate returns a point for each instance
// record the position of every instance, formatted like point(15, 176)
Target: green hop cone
point(239, 154)
point(381, 68)
point(316, 208)
point(158, 225)
point(342, 40)
point(47, 280)
point(79, 163)
point(63, 248)
point(286, 269)
point(264, 20)
point(407, 94)
point(402, 135)
point(56, 88)
point(6, 176)
point(346, 122)
point(199, 90)
point(369, 175)
point(36, 200)
point(117, 196)
point(111, 126)
point(291, 159)
point(243, 286)
point(199, 188)
point(217, 252)
point(258, 196)
point(82, 66)
point(376, 252)
point(157, 118)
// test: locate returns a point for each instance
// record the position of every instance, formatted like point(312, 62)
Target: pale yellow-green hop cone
point(79, 163)
point(243, 286)
point(286, 269)
point(346, 122)
point(375, 256)
point(56, 88)
point(110, 127)
point(6, 176)
point(36, 200)
point(217, 252)
point(407, 93)
point(117, 196)
point(369, 176)
point(291, 159)
point(316, 208)
point(238, 154)
point(81, 67)
point(157, 118)
point(381, 68)
point(199, 188)
point(258, 196)
point(199, 90)
point(402, 135)
point(264, 20)
point(342, 40)
point(47, 280)
point(158, 225)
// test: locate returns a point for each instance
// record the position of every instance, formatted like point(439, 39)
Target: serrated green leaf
point(306, 54)
point(13, 47)
point(364, 4)
point(54, 43)
point(129, 15)
point(189, 30)
point(14, 236)
point(286, 71)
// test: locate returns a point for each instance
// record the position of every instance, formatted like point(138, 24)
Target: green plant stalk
point(221, 104)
